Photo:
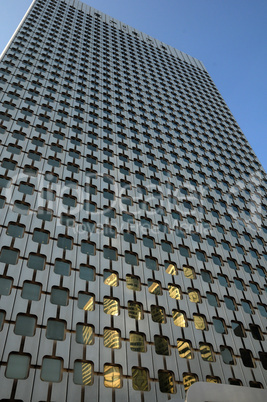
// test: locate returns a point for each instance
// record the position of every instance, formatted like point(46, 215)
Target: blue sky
point(228, 36)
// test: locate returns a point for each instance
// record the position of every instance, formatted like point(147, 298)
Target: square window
point(138, 342)
point(111, 306)
point(110, 253)
point(87, 272)
point(133, 282)
point(189, 272)
point(86, 301)
point(135, 310)
point(151, 263)
point(219, 325)
point(5, 285)
point(45, 214)
point(40, 236)
point(179, 318)
point(162, 345)
point(18, 366)
point(112, 338)
point(227, 355)
point(21, 208)
point(188, 380)
point(51, 370)
point(111, 278)
point(83, 372)
point(166, 382)
point(140, 379)
point(158, 314)
point(15, 230)
point(200, 322)
point(112, 376)
point(56, 329)
point(185, 349)
point(154, 287)
point(36, 261)
point(9, 255)
point(25, 325)
point(59, 296)
point(194, 296)
point(65, 242)
point(206, 352)
point(175, 292)
point(31, 291)
point(131, 258)
point(85, 334)
point(88, 247)
point(62, 267)
point(171, 268)
point(110, 231)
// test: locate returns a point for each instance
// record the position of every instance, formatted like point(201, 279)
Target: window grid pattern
point(133, 219)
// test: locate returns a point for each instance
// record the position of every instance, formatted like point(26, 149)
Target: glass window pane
point(87, 272)
point(166, 382)
point(112, 338)
point(51, 370)
point(138, 342)
point(85, 334)
point(59, 296)
point(25, 325)
point(83, 373)
point(161, 345)
point(133, 282)
point(111, 306)
point(56, 329)
point(112, 376)
point(179, 318)
point(18, 366)
point(31, 291)
point(86, 301)
point(184, 349)
point(135, 310)
point(5, 285)
point(140, 379)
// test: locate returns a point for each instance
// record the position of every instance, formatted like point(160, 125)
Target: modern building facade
point(133, 218)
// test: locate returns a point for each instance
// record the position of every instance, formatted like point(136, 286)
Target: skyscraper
point(133, 218)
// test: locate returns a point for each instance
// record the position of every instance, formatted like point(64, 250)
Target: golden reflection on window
point(111, 278)
point(158, 314)
point(90, 304)
point(200, 322)
point(133, 283)
point(140, 378)
point(215, 380)
point(175, 292)
point(171, 269)
point(179, 318)
point(162, 345)
point(166, 382)
point(189, 272)
point(112, 376)
point(194, 296)
point(112, 338)
point(88, 335)
point(184, 349)
point(83, 372)
point(189, 379)
point(207, 352)
point(111, 306)
point(135, 310)
point(137, 342)
point(87, 373)
point(154, 287)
